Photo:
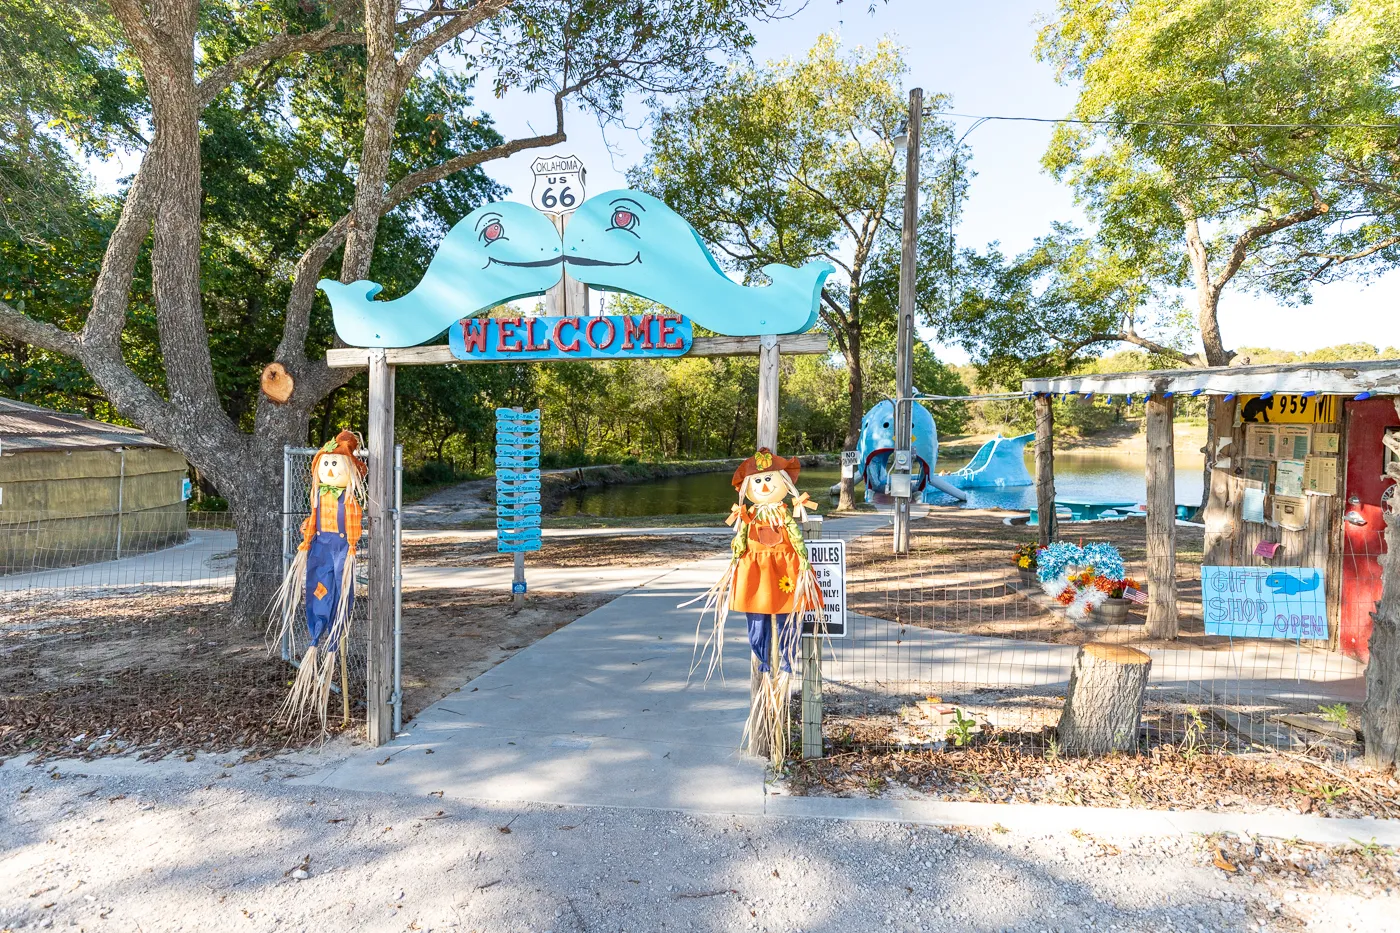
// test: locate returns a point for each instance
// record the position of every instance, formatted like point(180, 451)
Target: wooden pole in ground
point(1161, 518)
point(1103, 707)
point(1380, 713)
point(767, 437)
point(379, 678)
point(1045, 468)
point(812, 672)
point(904, 340)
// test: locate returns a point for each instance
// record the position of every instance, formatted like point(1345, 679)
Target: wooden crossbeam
point(358, 357)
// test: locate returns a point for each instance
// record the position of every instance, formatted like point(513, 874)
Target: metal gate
point(296, 506)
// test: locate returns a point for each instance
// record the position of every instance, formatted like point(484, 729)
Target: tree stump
point(1103, 708)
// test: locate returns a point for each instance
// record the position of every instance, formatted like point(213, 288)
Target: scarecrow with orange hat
point(322, 577)
point(770, 580)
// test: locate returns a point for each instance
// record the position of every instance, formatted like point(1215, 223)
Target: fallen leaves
point(1224, 864)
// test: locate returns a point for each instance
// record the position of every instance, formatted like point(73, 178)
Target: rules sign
point(828, 559)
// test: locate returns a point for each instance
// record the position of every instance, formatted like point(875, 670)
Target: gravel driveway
point(172, 846)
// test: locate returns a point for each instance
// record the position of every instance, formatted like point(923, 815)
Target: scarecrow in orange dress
point(770, 580)
point(322, 576)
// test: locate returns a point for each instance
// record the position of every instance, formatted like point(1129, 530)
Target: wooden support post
point(1380, 713)
point(1218, 512)
point(812, 670)
point(1103, 707)
point(1161, 519)
point(767, 437)
point(570, 296)
point(812, 697)
point(1045, 468)
point(379, 678)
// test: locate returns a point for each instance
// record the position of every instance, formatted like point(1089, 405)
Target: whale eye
point(493, 232)
point(623, 219)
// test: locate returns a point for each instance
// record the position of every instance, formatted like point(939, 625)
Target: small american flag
point(1134, 594)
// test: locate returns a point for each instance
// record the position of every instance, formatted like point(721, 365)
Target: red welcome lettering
point(530, 344)
point(571, 347)
point(501, 334)
point(631, 330)
point(474, 334)
point(612, 333)
point(667, 330)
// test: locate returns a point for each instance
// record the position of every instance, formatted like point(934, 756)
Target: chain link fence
point(122, 633)
point(953, 648)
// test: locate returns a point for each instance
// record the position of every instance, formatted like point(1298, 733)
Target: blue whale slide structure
point(625, 241)
point(999, 462)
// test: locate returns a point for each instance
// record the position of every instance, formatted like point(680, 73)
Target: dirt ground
point(958, 577)
point(583, 551)
point(1187, 762)
point(159, 673)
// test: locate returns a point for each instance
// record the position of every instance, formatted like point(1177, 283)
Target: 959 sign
point(558, 187)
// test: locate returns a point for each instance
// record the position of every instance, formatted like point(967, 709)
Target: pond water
point(1096, 477)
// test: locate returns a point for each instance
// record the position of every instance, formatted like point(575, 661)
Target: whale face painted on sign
point(631, 242)
point(497, 253)
point(877, 445)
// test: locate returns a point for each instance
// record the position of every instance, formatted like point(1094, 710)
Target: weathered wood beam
point(1161, 519)
point(437, 354)
point(1045, 469)
point(379, 678)
point(1379, 377)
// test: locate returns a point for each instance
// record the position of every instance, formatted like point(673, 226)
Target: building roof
point(25, 427)
point(1375, 377)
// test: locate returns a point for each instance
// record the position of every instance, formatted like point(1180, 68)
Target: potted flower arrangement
point(1070, 573)
point(1114, 608)
point(1025, 561)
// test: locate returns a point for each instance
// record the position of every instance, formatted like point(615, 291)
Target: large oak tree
point(179, 61)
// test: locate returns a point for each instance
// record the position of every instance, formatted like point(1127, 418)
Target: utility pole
point(901, 478)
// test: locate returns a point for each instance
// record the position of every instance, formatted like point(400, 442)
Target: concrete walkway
point(597, 713)
point(206, 559)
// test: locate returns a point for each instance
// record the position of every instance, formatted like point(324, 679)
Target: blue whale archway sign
point(626, 241)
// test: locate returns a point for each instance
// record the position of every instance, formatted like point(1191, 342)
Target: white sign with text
point(828, 560)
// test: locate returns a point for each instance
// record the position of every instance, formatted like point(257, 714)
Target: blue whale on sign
point(497, 253)
point(629, 241)
point(1287, 584)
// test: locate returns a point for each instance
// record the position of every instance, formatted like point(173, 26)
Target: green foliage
point(1164, 75)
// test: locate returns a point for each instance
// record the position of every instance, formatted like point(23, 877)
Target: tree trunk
point(1380, 713)
point(1103, 707)
point(256, 505)
point(857, 401)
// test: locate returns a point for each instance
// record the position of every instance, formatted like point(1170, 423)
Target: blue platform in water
point(1090, 511)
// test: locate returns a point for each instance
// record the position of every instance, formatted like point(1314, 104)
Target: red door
point(1364, 527)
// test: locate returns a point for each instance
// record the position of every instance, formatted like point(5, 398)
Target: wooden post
point(904, 340)
point(767, 437)
point(812, 671)
point(1218, 512)
point(1161, 518)
point(812, 697)
point(1103, 707)
point(570, 296)
point(379, 678)
point(1045, 468)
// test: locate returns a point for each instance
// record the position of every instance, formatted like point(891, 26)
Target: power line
point(1180, 123)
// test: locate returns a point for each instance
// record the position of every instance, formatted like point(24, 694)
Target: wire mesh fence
point(148, 632)
point(953, 646)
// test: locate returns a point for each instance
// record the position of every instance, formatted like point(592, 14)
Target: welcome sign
point(1264, 602)
point(619, 336)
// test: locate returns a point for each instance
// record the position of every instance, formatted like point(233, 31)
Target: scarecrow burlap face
point(334, 470)
point(767, 487)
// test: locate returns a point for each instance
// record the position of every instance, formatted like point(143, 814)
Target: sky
point(982, 55)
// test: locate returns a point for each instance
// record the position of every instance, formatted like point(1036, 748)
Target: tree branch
point(459, 23)
point(318, 40)
point(19, 326)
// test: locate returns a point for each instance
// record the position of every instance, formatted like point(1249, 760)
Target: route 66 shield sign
point(558, 185)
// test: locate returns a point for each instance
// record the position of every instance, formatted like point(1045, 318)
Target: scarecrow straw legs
point(771, 582)
point(322, 577)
